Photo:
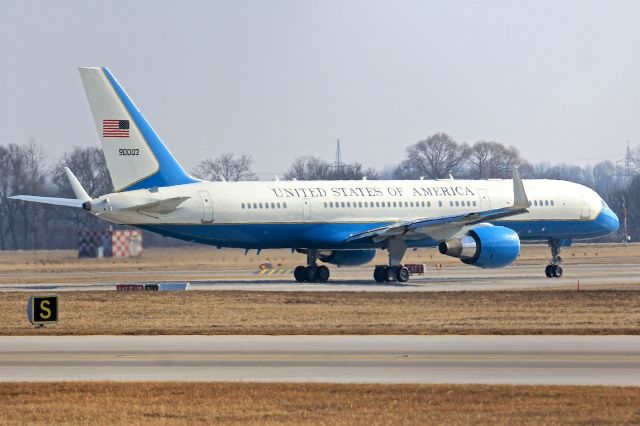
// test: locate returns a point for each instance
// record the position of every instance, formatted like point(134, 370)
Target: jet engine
point(484, 247)
point(347, 257)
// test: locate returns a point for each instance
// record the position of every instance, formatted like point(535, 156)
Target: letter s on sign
point(46, 312)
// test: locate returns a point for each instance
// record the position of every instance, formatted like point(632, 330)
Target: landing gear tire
point(557, 271)
point(312, 273)
point(378, 274)
point(402, 275)
point(390, 274)
point(300, 274)
point(323, 274)
point(553, 271)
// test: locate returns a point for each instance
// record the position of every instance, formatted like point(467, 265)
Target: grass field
point(252, 312)
point(326, 404)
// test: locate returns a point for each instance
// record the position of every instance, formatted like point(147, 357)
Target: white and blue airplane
point(342, 223)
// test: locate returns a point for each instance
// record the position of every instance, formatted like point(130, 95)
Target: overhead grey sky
point(560, 80)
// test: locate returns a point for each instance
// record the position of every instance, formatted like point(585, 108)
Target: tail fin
point(136, 157)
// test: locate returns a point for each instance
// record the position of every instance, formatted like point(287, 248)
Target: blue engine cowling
point(485, 247)
point(348, 257)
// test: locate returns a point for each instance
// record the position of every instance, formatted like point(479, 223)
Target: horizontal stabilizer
point(69, 202)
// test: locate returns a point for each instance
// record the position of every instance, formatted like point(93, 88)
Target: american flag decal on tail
point(115, 128)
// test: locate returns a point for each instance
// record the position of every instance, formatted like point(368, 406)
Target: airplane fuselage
point(323, 214)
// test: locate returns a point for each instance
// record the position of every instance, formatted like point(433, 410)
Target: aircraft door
point(485, 203)
point(306, 209)
point(586, 209)
point(207, 206)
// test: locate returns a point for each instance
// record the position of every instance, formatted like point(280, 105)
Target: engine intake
point(484, 247)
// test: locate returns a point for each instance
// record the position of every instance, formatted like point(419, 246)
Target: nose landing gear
point(554, 270)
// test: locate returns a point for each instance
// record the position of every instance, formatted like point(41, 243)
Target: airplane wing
point(420, 228)
point(69, 202)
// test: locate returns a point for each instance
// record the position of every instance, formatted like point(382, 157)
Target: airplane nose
point(608, 220)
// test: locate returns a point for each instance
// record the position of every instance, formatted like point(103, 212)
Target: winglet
point(520, 199)
point(81, 194)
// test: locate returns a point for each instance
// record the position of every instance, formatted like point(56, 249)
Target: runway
point(450, 278)
point(579, 360)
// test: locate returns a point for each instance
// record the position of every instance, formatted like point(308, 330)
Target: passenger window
point(273, 205)
point(266, 205)
point(457, 205)
point(535, 202)
point(428, 203)
point(331, 204)
point(377, 203)
point(342, 203)
point(474, 204)
point(450, 203)
point(468, 203)
point(348, 204)
point(546, 202)
point(284, 205)
point(394, 204)
point(255, 205)
point(366, 204)
point(552, 202)
point(260, 205)
point(243, 205)
point(248, 205)
point(325, 204)
point(440, 203)
point(278, 204)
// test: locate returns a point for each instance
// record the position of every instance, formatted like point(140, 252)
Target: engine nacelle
point(484, 247)
point(347, 257)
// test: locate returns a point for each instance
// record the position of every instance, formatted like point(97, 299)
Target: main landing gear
point(395, 271)
point(554, 270)
point(384, 273)
point(312, 272)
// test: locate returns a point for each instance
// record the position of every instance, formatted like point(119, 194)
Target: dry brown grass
point(249, 312)
point(327, 404)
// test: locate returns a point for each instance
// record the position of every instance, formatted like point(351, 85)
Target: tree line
point(24, 169)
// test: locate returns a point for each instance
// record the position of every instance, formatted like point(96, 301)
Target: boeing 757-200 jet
point(343, 223)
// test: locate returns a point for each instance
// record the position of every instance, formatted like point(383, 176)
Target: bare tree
point(434, 158)
point(225, 167)
point(89, 166)
point(314, 168)
point(308, 168)
point(492, 160)
point(22, 172)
